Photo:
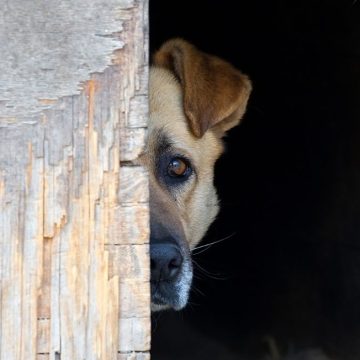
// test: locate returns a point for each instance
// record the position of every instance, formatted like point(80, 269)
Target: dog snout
point(171, 268)
point(166, 261)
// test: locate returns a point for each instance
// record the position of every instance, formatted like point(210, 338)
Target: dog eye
point(178, 167)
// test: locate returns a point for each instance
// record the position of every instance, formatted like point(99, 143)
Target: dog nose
point(166, 261)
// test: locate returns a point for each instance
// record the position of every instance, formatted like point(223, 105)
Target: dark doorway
point(289, 272)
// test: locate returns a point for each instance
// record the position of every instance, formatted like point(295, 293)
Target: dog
point(194, 99)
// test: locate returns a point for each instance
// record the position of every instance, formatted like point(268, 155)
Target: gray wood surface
point(74, 265)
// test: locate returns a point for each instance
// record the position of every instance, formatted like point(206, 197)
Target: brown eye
point(177, 167)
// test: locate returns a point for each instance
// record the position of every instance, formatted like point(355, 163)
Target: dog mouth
point(160, 297)
point(173, 294)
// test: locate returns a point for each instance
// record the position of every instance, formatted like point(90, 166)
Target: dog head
point(194, 99)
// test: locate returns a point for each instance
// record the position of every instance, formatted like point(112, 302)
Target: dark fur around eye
point(167, 176)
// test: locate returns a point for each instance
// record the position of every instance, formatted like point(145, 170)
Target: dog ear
point(215, 93)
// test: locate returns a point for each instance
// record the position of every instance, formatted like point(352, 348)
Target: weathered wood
point(134, 356)
point(74, 265)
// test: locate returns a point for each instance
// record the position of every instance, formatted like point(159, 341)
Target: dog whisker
point(191, 305)
point(198, 291)
point(207, 273)
point(199, 277)
point(207, 246)
point(155, 320)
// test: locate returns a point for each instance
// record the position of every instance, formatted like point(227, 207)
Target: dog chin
point(179, 296)
point(174, 306)
point(157, 307)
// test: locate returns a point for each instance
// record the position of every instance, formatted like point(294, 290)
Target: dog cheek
point(184, 285)
point(205, 209)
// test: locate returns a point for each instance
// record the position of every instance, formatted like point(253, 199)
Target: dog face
point(194, 99)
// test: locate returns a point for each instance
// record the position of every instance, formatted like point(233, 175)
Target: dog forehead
point(165, 100)
point(167, 117)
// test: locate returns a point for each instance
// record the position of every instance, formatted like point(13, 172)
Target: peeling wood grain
point(43, 334)
point(134, 356)
point(134, 334)
point(52, 32)
point(128, 225)
point(74, 224)
point(134, 185)
point(132, 295)
point(42, 357)
point(132, 260)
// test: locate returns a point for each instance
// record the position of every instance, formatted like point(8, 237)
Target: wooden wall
point(74, 265)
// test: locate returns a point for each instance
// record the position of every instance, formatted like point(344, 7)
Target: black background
point(289, 183)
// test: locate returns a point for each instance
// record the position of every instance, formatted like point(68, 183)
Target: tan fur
point(166, 113)
point(194, 99)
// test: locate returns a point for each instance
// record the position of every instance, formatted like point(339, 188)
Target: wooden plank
point(20, 242)
point(74, 225)
point(128, 224)
point(43, 335)
point(42, 357)
point(134, 334)
point(112, 318)
point(134, 187)
point(134, 356)
point(64, 44)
